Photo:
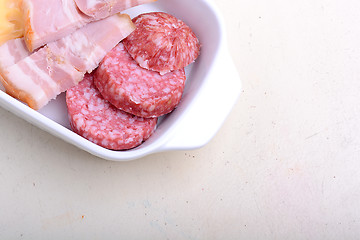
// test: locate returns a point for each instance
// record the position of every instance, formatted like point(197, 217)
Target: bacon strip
point(99, 9)
point(37, 78)
point(50, 21)
point(55, 19)
point(12, 52)
point(85, 48)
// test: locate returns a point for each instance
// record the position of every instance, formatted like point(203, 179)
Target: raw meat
point(101, 123)
point(162, 43)
point(50, 20)
point(99, 9)
point(37, 78)
point(12, 52)
point(85, 48)
point(136, 90)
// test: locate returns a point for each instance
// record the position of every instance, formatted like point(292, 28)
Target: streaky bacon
point(50, 20)
point(98, 9)
point(39, 77)
point(12, 52)
point(85, 48)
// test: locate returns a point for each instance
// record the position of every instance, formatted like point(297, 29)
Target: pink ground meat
point(136, 90)
point(100, 122)
point(162, 43)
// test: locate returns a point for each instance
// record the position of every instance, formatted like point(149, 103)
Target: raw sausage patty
point(162, 43)
point(136, 90)
point(101, 123)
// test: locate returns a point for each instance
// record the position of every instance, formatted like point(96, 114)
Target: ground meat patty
point(162, 42)
point(101, 123)
point(136, 90)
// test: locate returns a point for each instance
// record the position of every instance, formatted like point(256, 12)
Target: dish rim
point(162, 142)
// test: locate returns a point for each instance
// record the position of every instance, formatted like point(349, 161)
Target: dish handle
point(218, 97)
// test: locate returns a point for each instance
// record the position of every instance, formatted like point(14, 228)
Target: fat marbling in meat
point(37, 78)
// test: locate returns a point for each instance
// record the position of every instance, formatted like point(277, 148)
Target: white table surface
point(285, 165)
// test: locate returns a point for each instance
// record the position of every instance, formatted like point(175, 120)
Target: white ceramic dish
point(212, 89)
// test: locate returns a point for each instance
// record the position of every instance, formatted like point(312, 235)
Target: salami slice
point(101, 123)
point(162, 43)
point(136, 90)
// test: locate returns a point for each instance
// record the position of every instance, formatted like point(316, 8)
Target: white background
point(285, 165)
